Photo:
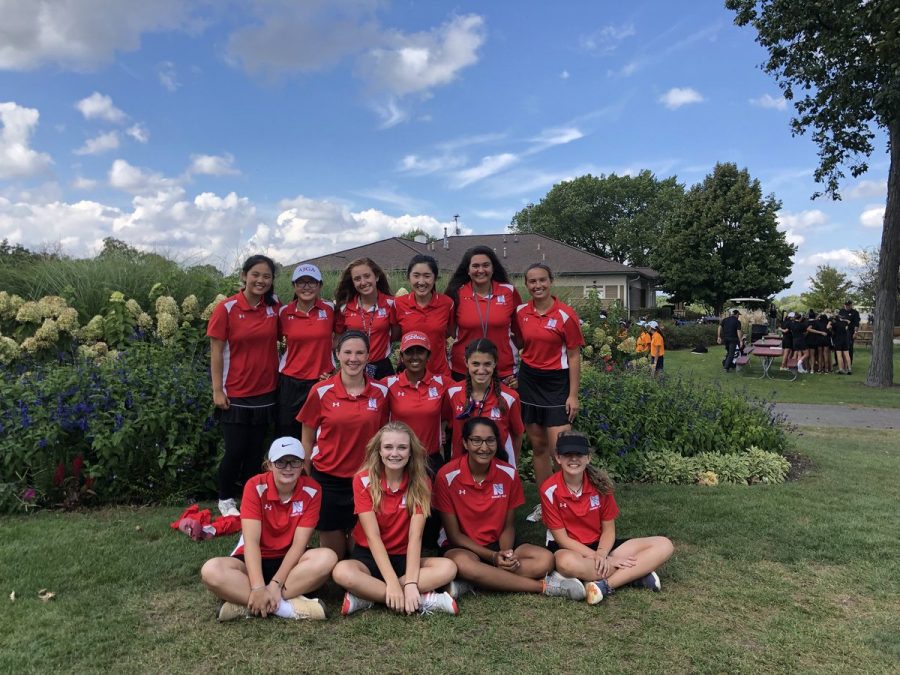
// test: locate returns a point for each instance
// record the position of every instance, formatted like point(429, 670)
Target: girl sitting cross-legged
point(392, 498)
point(477, 495)
point(579, 510)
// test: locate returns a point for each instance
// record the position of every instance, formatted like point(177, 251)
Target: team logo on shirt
point(432, 392)
point(268, 507)
point(373, 404)
point(270, 311)
point(296, 508)
point(240, 316)
point(400, 394)
point(498, 490)
point(551, 323)
point(335, 404)
point(495, 413)
point(403, 502)
point(323, 315)
point(501, 299)
point(381, 313)
point(595, 502)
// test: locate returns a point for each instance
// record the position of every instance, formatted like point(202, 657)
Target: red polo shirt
point(279, 519)
point(474, 312)
point(308, 337)
point(547, 337)
point(251, 338)
point(343, 423)
point(393, 516)
point(509, 422)
point(375, 322)
point(581, 516)
point(433, 320)
point(419, 407)
point(480, 509)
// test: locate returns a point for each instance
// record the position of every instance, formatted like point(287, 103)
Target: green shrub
point(689, 335)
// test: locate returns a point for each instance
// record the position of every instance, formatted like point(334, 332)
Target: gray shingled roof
point(516, 251)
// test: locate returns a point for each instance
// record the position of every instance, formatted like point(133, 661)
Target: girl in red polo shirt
point(485, 302)
point(424, 310)
point(579, 510)
point(339, 417)
point(550, 370)
point(483, 395)
point(364, 302)
point(307, 324)
point(243, 336)
point(392, 497)
point(477, 495)
point(272, 565)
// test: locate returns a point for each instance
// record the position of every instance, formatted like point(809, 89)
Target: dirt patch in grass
point(800, 465)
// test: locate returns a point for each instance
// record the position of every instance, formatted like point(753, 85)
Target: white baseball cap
point(284, 447)
point(306, 270)
point(653, 324)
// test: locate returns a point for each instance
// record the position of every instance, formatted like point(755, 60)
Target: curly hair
point(485, 346)
point(346, 291)
point(460, 275)
point(418, 490)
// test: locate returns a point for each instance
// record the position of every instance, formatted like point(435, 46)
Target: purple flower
point(28, 494)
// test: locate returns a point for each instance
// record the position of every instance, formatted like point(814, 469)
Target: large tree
point(837, 60)
point(724, 242)
point(616, 217)
point(828, 288)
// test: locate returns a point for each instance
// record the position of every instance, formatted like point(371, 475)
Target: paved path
point(804, 414)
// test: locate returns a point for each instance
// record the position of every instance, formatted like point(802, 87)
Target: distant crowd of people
point(820, 342)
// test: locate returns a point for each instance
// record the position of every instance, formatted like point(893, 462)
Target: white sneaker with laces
point(558, 586)
point(308, 608)
point(458, 588)
point(354, 604)
point(228, 507)
point(536, 515)
point(437, 602)
point(229, 611)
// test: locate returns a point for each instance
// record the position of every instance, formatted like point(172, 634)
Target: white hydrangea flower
point(93, 331)
point(29, 312)
point(144, 321)
point(9, 350)
point(190, 307)
point(48, 333)
point(211, 306)
point(165, 304)
point(68, 321)
point(134, 309)
point(166, 326)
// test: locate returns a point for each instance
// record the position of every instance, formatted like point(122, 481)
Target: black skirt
point(543, 395)
point(250, 410)
point(292, 394)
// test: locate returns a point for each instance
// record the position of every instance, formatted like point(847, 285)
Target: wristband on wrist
point(275, 581)
point(413, 583)
point(257, 588)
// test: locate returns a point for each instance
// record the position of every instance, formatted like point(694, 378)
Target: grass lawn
point(799, 577)
point(828, 389)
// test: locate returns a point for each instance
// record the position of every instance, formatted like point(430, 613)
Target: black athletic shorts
point(292, 394)
point(553, 547)
point(364, 555)
point(337, 502)
point(270, 567)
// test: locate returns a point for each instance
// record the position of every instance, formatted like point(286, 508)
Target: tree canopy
point(723, 242)
point(828, 289)
point(837, 61)
point(616, 217)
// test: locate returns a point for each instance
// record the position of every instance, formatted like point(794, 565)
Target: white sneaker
point(536, 515)
point(458, 588)
point(354, 604)
point(437, 602)
point(307, 608)
point(228, 507)
point(801, 369)
point(229, 611)
point(558, 586)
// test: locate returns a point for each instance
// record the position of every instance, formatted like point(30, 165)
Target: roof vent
point(539, 246)
point(543, 257)
point(504, 250)
point(516, 238)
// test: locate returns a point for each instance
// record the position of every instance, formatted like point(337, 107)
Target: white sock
point(285, 611)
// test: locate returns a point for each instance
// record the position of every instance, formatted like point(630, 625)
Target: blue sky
point(208, 130)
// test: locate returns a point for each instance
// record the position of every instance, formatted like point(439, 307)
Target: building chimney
point(504, 250)
point(516, 238)
point(543, 257)
point(446, 240)
point(539, 246)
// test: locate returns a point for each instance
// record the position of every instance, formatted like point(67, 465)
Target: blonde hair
point(418, 490)
point(596, 476)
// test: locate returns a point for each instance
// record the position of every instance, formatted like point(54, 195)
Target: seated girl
point(579, 510)
point(271, 568)
point(392, 498)
point(477, 495)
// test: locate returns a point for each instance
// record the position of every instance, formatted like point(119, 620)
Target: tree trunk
point(881, 369)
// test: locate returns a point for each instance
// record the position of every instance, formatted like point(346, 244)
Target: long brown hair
point(418, 490)
point(346, 291)
point(597, 477)
point(485, 346)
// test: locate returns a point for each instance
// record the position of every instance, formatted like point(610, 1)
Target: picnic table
point(767, 350)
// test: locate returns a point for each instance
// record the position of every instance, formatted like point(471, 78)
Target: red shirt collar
point(341, 392)
point(245, 306)
point(404, 483)
point(495, 289)
point(294, 309)
point(531, 309)
point(426, 380)
point(564, 489)
point(272, 489)
point(465, 473)
point(380, 302)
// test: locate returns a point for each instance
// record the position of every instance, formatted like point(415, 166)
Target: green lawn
point(830, 389)
point(799, 577)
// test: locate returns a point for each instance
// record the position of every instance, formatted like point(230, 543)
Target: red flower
point(77, 465)
point(609, 369)
point(59, 475)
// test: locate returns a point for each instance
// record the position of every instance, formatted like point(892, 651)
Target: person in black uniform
point(730, 334)
point(819, 328)
point(798, 336)
point(852, 318)
point(787, 340)
point(840, 338)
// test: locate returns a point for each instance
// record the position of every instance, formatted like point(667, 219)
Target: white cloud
point(564, 75)
point(80, 35)
point(100, 106)
point(872, 217)
point(17, 159)
point(391, 196)
point(82, 183)
point(769, 101)
point(550, 137)
point(801, 220)
point(138, 132)
point(868, 188)
point(420, 166)
point(99, 144)
point(487, 167)
point(679, 96)
point(391, 112)
point(606, 39)
point(496, 214)
point(841, 257)
point(168, 76)
point(135, 180)
point(421, 61)
point(213, 165)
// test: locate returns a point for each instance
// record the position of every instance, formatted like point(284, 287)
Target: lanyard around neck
point(483, 319)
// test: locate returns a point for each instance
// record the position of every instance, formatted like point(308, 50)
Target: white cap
point(285, 446)
point(306, 270)
point(653, 324)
